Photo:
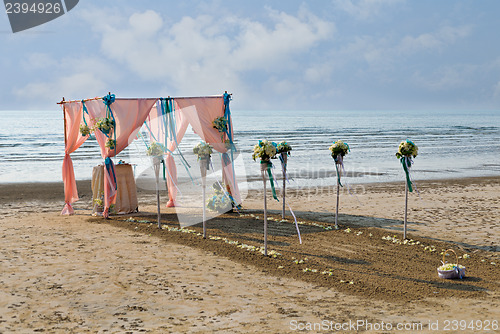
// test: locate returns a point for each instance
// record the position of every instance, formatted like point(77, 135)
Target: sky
point(271, 55)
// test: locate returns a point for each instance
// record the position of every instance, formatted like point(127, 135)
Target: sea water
point(452, 144)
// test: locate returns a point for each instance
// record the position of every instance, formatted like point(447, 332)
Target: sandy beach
point(81, 274)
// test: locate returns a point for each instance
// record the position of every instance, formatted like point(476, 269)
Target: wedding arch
point(166, 120)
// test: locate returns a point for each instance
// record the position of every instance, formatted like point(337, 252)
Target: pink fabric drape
point(73, 118)
point(162, 135)
point(129, 116)
point(201, 111)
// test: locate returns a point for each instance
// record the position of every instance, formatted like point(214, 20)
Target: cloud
point(201, 53)
point(364, 9)
point(443, 79)
point(74, 85)
point(72, 78)
point(37, 61)
point(445, 36)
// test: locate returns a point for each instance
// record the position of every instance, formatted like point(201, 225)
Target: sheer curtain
point(201, 111)
point(73, 140)
point(129, 116)
point(160, 130)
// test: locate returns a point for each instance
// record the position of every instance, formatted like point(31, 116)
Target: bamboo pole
point(85, 100)
point(406, 210)
point(284, 157)
point(156, 166)
point(338, 197)
point(265, 210)
point(204, 213)
point(203, 170)
point(146, 98)
point(64, 116)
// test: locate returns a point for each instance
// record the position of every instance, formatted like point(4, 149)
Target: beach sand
point(64, 274)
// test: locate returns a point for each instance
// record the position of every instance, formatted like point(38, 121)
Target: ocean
point(452, 144)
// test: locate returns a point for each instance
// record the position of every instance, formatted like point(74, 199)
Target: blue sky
point(272, 55)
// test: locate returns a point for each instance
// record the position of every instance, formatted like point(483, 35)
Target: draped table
point(126, 198)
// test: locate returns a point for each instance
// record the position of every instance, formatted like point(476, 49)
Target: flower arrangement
point(450, 270)
point(155, 150)
point(450, 266)
point(407, 149)
point(264, 150)
point(339, 147)
point(105, 124)
point(220, 123)
point(220, 202)
point(85, 130)
point(111, 143)
point(203, 150)
point(99, 204)
point(283, 147)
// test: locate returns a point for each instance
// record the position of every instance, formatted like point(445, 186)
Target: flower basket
point(449, 270)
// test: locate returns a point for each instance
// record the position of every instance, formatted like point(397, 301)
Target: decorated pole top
point(407, 149)
point(265, 151)
point(339, 148)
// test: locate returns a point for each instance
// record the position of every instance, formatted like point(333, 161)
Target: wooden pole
point(406, 209)
point(265, 211)
point(156, 166)
point(64, 116)
point(204, 213)
point(204, 163)
point(338, 196)
point(284, 156)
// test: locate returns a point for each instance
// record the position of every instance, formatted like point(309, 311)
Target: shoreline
point(52, 191)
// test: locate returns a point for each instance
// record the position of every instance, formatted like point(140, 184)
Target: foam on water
point(451, 144)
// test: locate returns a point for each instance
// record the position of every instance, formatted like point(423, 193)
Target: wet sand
point(80, 274)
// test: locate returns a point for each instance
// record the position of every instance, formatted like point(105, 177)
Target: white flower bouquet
point(264, 150)
point(105, 124)
point(203, 150)
point(155, 150)
point(283, 147)
point(339, 147)
point(407, 149)
point(220, 123)
point(85, 130)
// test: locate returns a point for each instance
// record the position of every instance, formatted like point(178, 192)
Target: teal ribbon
point(85, 111)
point(108, 100)
point(406, 162)
point(110, 168)
point(227, 114)
point(168, 109)
point(271, 179)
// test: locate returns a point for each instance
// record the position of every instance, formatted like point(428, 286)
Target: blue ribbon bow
point(108, 99)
